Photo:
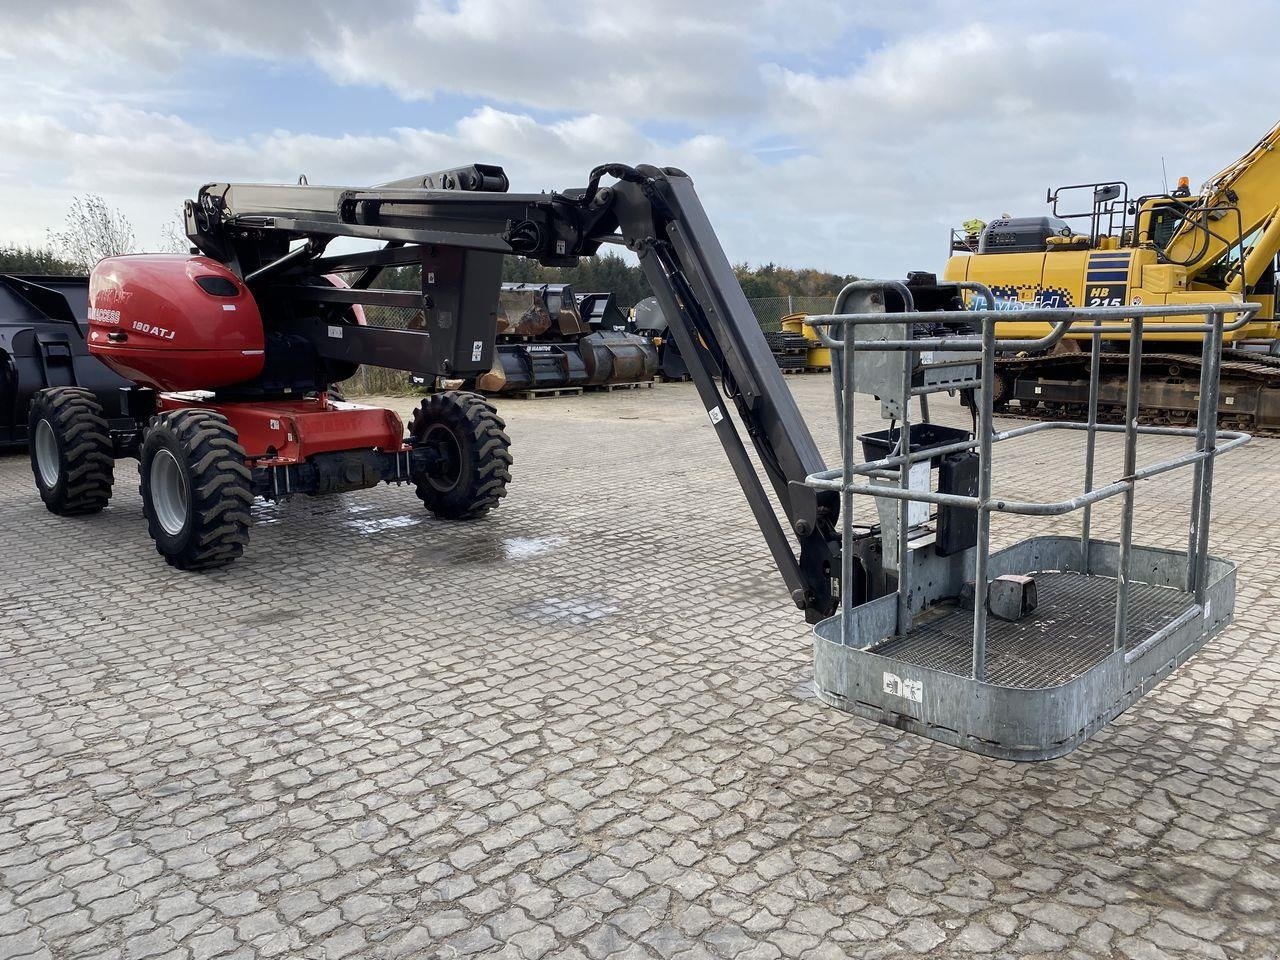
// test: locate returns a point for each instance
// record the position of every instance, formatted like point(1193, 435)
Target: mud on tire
point(71, 451)
point(472, 464)
point(196, 489)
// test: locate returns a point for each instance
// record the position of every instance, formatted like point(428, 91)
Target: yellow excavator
point(1166, 248)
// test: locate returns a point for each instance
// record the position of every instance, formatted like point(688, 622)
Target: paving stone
point(22, 944)
point(580, 728)
point(1058, 917)
point(216, 943)
point(921, 936)
point(978, 938)
point(1037, 938)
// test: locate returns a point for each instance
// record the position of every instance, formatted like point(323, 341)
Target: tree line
point(35, 260)
point(92, 230)
point(611, 273)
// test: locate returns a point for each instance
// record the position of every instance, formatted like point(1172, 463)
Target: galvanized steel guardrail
point(1096, 321)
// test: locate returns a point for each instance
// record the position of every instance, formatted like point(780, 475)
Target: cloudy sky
point(842, 135)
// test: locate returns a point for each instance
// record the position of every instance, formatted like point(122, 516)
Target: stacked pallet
point(790, 350)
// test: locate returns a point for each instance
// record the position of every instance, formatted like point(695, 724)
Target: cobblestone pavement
point(581, 728)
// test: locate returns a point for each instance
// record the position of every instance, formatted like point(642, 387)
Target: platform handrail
point(1063, 319)
point(832, 479)
point(1210, 441)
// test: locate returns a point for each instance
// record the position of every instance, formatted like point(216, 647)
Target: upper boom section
point(247, 225)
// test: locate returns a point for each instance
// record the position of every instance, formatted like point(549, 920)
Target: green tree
point(35, 260)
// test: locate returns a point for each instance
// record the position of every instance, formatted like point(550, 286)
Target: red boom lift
point(230, 351)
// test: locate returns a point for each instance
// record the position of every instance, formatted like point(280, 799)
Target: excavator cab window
point(1163, 224)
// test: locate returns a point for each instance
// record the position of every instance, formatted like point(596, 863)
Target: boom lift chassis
point(863, 590)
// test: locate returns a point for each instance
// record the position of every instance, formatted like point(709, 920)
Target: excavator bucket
point(42, 344)
point(544, 342)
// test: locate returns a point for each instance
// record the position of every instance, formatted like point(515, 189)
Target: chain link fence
point(379, 381)
point(769, 312)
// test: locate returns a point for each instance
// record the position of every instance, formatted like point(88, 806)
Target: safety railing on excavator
point(1097, 321)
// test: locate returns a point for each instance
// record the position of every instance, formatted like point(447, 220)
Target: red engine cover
point(174, 322)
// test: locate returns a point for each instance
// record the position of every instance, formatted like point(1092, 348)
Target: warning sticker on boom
point(716, 414)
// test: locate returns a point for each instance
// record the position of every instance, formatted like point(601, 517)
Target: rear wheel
point(196, 489)
point(470, 463)
point(71, 452)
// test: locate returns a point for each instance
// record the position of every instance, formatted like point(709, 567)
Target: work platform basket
point(1087, 626)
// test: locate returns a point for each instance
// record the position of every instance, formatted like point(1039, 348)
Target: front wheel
point(196, 489)
point(470, 455)
point(71, 452)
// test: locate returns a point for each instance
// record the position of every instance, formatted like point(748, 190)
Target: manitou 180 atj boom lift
point(230, 352)
point(1166, 248)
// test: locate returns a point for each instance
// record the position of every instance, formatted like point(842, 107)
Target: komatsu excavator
point(1158, 249)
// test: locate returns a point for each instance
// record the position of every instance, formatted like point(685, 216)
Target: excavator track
point(1057, 388)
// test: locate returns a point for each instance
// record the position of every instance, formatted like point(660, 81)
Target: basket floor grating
point(1070, 631)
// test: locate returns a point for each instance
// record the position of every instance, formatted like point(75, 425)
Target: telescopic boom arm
point(457, 225)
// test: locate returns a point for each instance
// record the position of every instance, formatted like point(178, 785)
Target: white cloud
point(842, 135)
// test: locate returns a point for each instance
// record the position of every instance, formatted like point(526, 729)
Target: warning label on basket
point(904, 687)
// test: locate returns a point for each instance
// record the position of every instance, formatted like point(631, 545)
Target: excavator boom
point(1232, 226)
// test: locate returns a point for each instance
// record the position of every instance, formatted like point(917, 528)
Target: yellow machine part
point(819, 357)
point(1093, 278)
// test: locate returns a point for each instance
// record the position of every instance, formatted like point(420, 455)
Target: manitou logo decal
point(104, 316)
point(154, 331)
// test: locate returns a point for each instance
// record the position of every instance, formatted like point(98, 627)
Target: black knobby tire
point(196, 489)
point(472, 463)
point(71, 451)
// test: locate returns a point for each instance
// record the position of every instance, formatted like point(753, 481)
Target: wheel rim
point(169, 492)
point(447, 470)
point(46, 447)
